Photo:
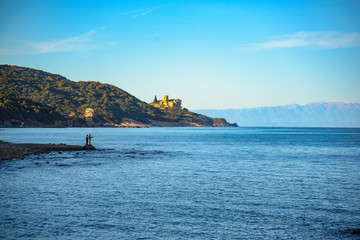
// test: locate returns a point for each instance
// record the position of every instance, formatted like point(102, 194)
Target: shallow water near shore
point(184, 183)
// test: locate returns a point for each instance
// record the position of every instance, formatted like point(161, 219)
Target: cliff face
point(44, 99)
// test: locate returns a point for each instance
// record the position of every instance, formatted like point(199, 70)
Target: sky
point(211, 54)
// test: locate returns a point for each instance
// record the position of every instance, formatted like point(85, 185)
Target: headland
point(34, 98)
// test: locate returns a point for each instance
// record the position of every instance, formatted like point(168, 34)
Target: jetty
point(18, 150)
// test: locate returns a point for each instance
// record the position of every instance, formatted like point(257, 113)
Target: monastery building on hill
point(166, 103)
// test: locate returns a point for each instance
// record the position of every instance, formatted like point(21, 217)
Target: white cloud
point(66, 45)
point(323, 39)
point(141, 12)
point(81, 42)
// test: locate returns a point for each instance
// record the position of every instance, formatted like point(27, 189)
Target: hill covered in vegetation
point(44, 99)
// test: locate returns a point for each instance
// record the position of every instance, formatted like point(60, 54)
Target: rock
point(356, 231)
point(89, 147)
point(19, 150)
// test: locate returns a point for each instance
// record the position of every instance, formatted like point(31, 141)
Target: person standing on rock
point(87, 139)
point(90, 139)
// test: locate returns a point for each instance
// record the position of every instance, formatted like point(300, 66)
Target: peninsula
point(35, 98)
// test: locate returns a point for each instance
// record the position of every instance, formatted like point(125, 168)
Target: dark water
point(184, 183)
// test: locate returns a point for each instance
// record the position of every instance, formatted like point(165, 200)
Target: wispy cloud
point(85, 41)
point(66, 45)
point(322, 39)
point(141, 12)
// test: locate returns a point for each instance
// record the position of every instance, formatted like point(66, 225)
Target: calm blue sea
point(184, 183)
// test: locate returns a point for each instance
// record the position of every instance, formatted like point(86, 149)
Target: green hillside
point(35, 96)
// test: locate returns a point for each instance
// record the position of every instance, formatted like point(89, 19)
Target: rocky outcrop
point(18, 150)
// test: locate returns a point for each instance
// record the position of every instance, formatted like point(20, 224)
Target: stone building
point(89, 116)
point(166, 103)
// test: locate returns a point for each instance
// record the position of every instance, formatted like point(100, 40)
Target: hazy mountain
point(318, 114)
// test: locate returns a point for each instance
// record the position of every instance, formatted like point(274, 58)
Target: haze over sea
point(184, 183)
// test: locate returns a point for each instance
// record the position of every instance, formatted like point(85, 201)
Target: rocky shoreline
point(18, 150)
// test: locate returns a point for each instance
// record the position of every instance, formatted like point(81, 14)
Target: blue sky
point(211, 54)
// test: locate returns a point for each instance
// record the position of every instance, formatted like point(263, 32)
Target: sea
point(184, 183)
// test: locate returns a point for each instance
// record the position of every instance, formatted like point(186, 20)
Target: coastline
point(10, 151)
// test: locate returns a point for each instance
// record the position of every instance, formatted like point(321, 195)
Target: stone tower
point(166, 100)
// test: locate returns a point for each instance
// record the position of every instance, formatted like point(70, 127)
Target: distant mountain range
point(317, 114)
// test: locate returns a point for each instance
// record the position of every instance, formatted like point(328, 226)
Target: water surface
point(184, 183)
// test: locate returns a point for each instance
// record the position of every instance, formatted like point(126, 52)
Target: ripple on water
point(241, 183)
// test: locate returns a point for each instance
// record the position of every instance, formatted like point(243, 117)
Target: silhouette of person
point(87, 139)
